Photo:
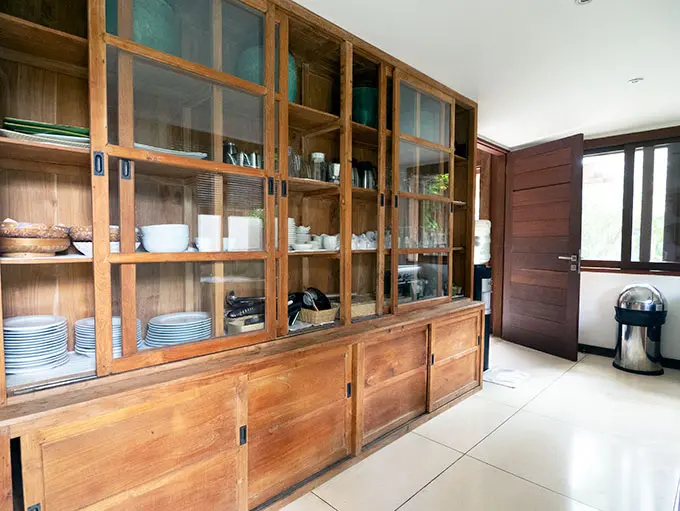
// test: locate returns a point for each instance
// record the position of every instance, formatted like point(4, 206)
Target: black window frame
point(629, 148)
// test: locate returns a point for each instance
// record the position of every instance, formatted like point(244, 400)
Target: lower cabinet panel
point(304, 429)
point(395, 381)
point(392, 405)
point(198, 486)
point(452, 377)
point(139, 457)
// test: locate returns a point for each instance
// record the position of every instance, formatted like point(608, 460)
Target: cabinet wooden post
point(346, 183)
point(100, 185)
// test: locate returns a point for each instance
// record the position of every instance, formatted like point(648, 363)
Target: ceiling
point(539, 69)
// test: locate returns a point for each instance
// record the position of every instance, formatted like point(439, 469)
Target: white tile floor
point(575, 436)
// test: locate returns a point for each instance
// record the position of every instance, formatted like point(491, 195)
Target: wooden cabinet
point(394, 381)
point(455, 357)
point(174, 446)
point(299, 420)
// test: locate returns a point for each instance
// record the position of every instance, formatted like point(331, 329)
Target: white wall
point(599, 292)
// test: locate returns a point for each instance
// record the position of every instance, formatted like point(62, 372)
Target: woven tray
point(32, 247)
point(31, 230)
point(318, 317)
point(363, 309)
point(84, 233)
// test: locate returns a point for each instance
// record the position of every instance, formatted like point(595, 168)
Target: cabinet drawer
point(454, 336)
point(453, 377)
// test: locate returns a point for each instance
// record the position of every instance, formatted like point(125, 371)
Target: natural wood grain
point(455, 335)
point(5, 471)
point(346, 183)
point(358, 377)
point(382, 188)
point(307, 119)
point(68, 53)
point(161, 257)
point(289, 403)
point(454, 376)
point(32, 470)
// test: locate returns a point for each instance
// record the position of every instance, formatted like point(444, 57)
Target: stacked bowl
point(178, 328)
point(165, 238)
point(34, 343)
point(86, 339)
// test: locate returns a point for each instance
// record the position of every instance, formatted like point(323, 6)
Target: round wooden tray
point(32, 247)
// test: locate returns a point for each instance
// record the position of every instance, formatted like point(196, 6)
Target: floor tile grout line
point(322, 500)
point(436, 442)
point(531, 482)
point(429, 482)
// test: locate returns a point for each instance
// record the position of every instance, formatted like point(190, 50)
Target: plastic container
point(365, 106)
point(482, 241)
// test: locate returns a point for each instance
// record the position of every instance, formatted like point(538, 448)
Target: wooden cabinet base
point(239, 432)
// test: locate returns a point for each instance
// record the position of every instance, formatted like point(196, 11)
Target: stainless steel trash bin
point(640, 311)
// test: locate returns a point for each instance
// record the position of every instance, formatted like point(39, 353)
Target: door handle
point(575, 261)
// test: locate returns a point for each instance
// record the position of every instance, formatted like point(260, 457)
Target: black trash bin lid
point(642, 297)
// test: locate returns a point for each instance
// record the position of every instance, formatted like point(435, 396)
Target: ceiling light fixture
point(637, 79)
point(582, 2)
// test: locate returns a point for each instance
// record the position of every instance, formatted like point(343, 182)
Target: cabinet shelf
point(366, 134)
point(312, 186)
point(63, 259)
point(307, 119)
point(333, 254)
point(185, 257)
point(34, 156)
point(459, 159)
point(364, 193)
point(365, 251)
point(43, 47)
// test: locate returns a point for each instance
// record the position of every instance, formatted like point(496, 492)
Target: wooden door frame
point(497, 217)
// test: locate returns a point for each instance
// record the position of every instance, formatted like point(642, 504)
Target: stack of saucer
point(86, 341)
point(292, 232)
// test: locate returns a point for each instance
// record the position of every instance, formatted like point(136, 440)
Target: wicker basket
point(318, 317)
point(84, 233)
point(11, 229)
point(362, 309)
point(32, 247)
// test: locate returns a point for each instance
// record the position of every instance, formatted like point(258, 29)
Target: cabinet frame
point(277, 14)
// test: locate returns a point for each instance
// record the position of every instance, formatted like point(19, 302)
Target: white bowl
point(165, 237)
point(302, 246)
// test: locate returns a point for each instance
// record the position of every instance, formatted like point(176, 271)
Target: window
point(602, 205)
point(631, 207)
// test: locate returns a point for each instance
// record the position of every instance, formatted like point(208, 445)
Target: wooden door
point(299, 420)
point(455, 357)
point(175, 446)
point(394, 381)
point(542, 246)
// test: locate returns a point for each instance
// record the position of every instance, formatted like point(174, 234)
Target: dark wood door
point(542, 244)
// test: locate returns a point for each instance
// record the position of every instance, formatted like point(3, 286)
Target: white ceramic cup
point(209, 233)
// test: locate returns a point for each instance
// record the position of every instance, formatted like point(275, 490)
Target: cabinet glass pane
point(191, 29)
point(423, 224)
point(423, 171)
point(179, 210)
point(422, 276)
point(177, 113)
point(424, 116)
point(364, 268)
point(41, 308)
point(319, 275)
point(178, 303)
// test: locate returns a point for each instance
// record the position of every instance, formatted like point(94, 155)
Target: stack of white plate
point(302, 235)
point(85, 337)
point(178, 328)
point(34, 343)
point(292, 232)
